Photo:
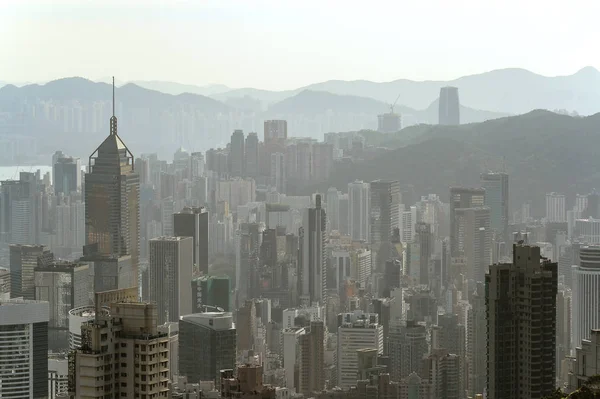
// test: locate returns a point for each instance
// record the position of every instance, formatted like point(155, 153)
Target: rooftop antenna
point(113, 119)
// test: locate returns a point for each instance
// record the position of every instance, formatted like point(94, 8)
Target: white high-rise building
point(291, 351)
point(587, 231)
point(365, 266)
point(24, 349)
point(556, 209)
point(581, 201)
point(585, 295)
point(359, 211)
point(408, 222)
point(333, 209)
point(356, 330)
point(167, 209)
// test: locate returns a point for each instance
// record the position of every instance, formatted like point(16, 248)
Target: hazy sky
point(290, 43)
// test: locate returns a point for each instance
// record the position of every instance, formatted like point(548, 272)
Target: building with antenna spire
point(112, 225)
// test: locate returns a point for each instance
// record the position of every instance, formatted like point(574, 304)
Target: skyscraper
point(23, 261)
point(474, 239)
point(209, 342)
point(333, 209)
point(556, 208)
point(67, 173)
point(462, 197)
point(358, 210)
point(251, 156)
point(275, 130)
point(496, 198)
point(312, 359)
point(312, 276)
point(278, 172)
point(112, 201)
point(426, 242)
point(23, 349)
point(170, 275)
point(193, 222)
point(407, 346)
point(385, 209)
point(585, 294)
point(449, 111)
point(237, 153)
point(521, 325)
point(476, 342)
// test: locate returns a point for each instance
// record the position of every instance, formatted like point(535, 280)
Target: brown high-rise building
point(462, 197)
point(521, 326)
point(312, 359)
point(112, 203)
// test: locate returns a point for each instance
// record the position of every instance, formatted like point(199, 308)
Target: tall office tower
point(585, 294)
point(236, 153)
point(358, 210)
point(450, 335)
point(67, 172)
point(344, 219)
point(55, 157)
point(23, 261)
point(211, 292)
point(312, 273)
point(449, 111)
point(357, 330)
point(443, 369)
point(521, 297)
point(197, 165)
point(112, 202)
point(304, 159)
point(563, 326)
point(251, 156)
point(23, 349)
point(65, 286)
point(496, 198)
point(311, 373)
point(125, 339)
point(290, 338)
point(278, 172)
point(167, 209)
point(4, 283)
point(461, 197)
point(193, 222)
point(246, 324)
point(474, 239)
point(476, 342)
point(556, 208)
point(209, 336)
point(20, 209)
point(407, 344)
point(385, 209)
point(592, 209)
point(275, 131)
point(587, 231)
point(383, 308)
point(408, 221)
point(425, 239)
point(333, 209)
point(171, 267)
point(322, 161)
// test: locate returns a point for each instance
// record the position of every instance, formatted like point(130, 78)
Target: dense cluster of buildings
point(203, 278)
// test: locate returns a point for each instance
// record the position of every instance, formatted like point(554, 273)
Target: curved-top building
point(585, 295)
point(449, 111)
point(77, 317)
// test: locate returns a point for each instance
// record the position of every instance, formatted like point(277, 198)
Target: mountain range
point(541, 151)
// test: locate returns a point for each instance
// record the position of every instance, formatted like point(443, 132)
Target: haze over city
point(299, 200)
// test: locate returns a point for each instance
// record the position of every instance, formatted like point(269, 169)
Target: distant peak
point(588, 70)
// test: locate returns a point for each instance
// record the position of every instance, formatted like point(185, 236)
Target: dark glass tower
point(112, 201)
point(449, 112)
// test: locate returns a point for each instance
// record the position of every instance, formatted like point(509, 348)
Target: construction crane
point(394, 104)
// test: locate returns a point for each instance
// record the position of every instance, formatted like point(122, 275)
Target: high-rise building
point(23, 349)
point(197, 165)
point(461, 197)
point(211, 337)
point(311, 375)
point(312, 273)
point(449, 106)
point(476, 342)
point(556, 208)
point(407, 345)
point(170, 275)
point(67, 174)
point(426, 242)
point(251, 156)
point(275, 131)
point(496, 198)
point(357, 330)
point(112, 201)
point(125, 339)
point(585, 294)
point(193, 222)
point(443, 369)
point(236, 153)
point(385, 209)
point(521, 297)
point(64, 285)
point(23, 261)
point(211, 291)
point(333, 209)
point(278, 172)
point(586, 362)
point(474, 239)
point(358, 211)
point(389, 122)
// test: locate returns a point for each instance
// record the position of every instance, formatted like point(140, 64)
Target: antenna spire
point(113, 119)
